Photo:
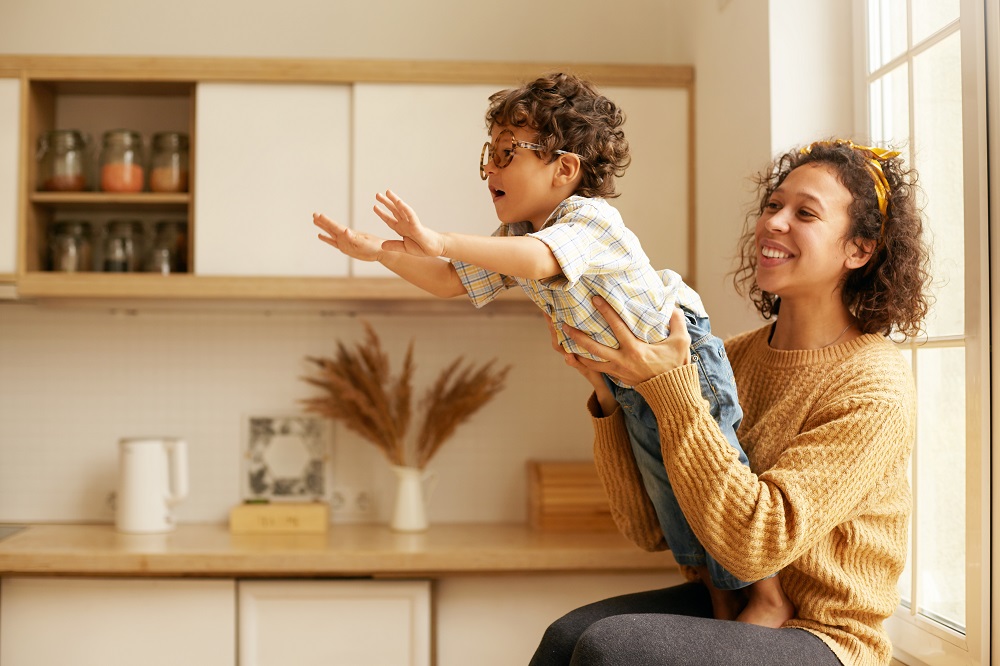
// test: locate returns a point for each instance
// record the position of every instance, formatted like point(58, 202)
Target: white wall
point(522, 30)
point(811, 88)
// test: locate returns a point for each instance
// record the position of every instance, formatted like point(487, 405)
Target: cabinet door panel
point(314, 623)
point(10, 121)
point(654, 190)
point(86, 622)
point(268, 156)
point(423, 142)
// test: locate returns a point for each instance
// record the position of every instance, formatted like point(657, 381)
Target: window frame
point(917, 639)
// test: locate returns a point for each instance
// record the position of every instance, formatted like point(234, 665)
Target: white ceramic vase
point(413, 488)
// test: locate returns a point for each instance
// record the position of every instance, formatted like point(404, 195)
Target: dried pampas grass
point(362, 395)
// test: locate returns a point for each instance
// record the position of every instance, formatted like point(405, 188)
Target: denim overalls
point(719, 388)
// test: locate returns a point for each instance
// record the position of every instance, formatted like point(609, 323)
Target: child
point(555, 149)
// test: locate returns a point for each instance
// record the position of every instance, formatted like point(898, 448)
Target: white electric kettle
point(152, 477)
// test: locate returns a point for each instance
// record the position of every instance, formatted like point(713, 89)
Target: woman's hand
point(571, 359)
point(605, 398)
point(634, 361)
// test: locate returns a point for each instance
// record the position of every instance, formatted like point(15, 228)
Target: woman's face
point(801, 249)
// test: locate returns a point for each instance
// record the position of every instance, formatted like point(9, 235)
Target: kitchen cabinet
point(268, 156)
point(273, 140)
point(107, 622)
point(363, 623)
point(10, 113)
point(422, 141)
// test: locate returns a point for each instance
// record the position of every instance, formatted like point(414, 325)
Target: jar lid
point(65, 139)
point(72, 228)
point(124, 136)
point(124, 227)
point(167, 140)
point(171, 225)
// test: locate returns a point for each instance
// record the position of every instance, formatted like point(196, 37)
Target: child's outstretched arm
point(430, 274)
point(519, 256)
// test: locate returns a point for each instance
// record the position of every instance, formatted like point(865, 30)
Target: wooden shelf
point(108, 198)
point(352, 293)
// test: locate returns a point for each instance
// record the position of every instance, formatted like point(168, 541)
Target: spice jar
point(61, 156)
point(168, 253)
point(70, 246)
point(169, 167)
point(121, 161)
point(122, 246)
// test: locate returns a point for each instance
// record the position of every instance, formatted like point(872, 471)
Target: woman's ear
point(859, 252)
point(568, 170)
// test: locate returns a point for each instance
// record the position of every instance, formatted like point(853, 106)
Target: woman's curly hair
point(569, 114)
point(890, 293)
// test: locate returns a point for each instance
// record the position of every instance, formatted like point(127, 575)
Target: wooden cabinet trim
point(134, 69)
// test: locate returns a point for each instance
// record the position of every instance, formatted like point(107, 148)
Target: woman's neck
point(812, 327)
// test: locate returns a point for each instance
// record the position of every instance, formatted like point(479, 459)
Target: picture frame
point(286, 457)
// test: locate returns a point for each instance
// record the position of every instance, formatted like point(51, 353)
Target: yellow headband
point(874, 156)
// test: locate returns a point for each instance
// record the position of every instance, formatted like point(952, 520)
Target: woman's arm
point(832, 468)
point(631, 508)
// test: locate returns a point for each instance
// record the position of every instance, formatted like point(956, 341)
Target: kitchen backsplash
point(75, 380)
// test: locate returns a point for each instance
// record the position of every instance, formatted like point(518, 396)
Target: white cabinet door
point(318, 623)
point(10, 125)
point(91, 622)
point(654, 190)
point(423, 142)
point(267, 157)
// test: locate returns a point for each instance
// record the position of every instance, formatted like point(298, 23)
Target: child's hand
point(417, 239)
point(356, 245)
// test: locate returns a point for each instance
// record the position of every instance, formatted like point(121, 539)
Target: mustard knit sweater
point(826, 499)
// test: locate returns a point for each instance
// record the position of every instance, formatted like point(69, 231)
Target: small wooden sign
point(280, 517)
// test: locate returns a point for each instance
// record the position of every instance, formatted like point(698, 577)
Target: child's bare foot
point(767, 604)
point(726, 604)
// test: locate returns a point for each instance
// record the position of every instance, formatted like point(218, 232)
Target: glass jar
point(70, 245)
point(168, 253)
point(169, 165)
point(122, 162)
point(61, 160)
point(122, 246)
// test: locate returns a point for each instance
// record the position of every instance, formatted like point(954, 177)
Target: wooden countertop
point(210, 550)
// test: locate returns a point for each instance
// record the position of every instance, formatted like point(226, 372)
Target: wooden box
point(567, 495)
point(278, 518)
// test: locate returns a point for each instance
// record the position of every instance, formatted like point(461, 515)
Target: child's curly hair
point(569, 114)
point(890, 293)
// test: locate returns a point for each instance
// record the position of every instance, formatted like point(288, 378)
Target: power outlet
point(348, 504)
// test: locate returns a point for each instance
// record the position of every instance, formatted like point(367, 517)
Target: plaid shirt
point(598, 255)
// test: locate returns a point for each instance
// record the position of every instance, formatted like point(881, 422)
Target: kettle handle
point(177, 450)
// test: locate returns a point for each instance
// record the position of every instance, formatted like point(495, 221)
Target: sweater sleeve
point(631, 509)
point(755, 525)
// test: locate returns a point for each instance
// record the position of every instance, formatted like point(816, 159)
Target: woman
point(836, 258)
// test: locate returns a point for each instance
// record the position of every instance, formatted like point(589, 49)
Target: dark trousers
point(671, 627)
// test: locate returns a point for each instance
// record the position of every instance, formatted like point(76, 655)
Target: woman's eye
point(805, 213)
point(772, 205)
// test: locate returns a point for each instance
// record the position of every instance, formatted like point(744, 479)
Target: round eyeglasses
point(501, 151)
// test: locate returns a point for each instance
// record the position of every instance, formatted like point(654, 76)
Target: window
point(924, 81)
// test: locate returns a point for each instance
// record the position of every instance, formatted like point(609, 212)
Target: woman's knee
point(559, 640)
point(604, 643)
